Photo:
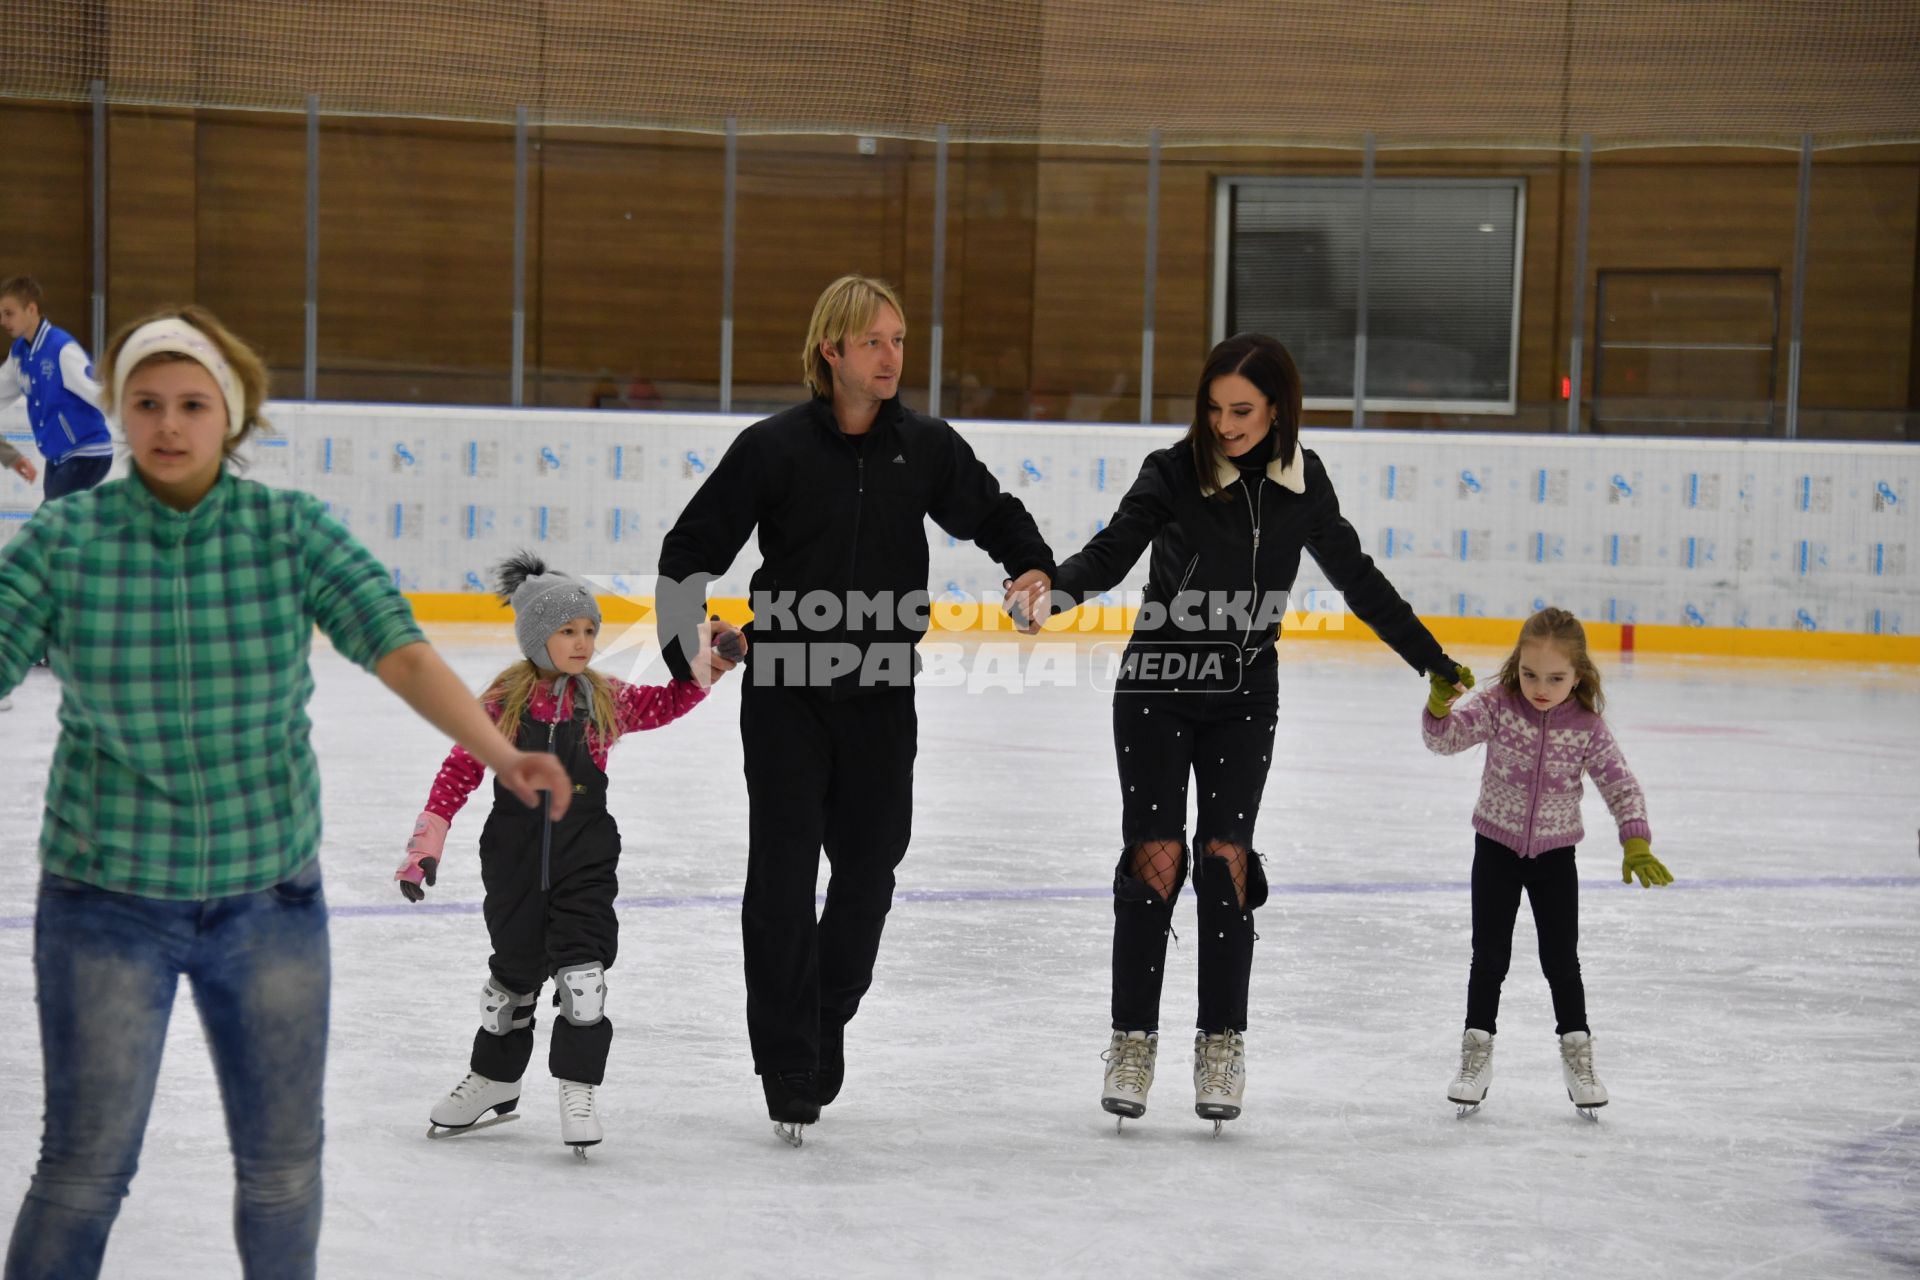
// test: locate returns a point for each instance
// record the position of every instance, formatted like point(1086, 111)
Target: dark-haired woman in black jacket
point(1227, 512)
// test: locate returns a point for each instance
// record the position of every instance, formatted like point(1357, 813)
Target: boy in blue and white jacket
point(52, 371)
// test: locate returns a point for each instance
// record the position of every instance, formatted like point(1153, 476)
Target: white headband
point(179, 338)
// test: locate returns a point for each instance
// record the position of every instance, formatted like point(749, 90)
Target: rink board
point(1763, 548)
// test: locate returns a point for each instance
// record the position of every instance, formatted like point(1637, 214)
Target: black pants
point(820, 773)
point(1223, 743)
point(1552, 884)
point(75, 475)
point(538, 933)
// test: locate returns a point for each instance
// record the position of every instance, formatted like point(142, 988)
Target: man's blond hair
point(847, 306)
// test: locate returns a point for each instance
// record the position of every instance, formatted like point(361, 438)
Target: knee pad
point(582, 994)
point(502, 1011)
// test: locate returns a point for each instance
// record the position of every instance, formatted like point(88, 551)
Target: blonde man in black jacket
point(840, 488)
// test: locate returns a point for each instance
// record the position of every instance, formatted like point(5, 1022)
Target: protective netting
point(1525, 73)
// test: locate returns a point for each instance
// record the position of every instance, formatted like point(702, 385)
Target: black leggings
point(1552, 885)
point(1223, 744)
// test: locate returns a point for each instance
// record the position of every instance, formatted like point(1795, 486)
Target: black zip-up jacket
point(1221, 570)
point(837, 519)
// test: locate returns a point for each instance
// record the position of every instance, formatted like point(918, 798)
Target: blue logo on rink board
point(1393, 479)
point(1470, 482)
point(399, 519)
point(614, 523)
point(473, 520)
point(403, 454)
point(1030, 471)
point(473, 582)
point(693, 461)
point(473, 457)
point(1621, 487)
point(1693, 499)
point(1100, 475)
point(619, 467)
point(1613, 550)
point(1804, 620)
point(1805, 500)
point(326, 454)
point(549, 457)
point(1884, 496)
point(1540, 485)
point(1693, 616)
point(542, 521)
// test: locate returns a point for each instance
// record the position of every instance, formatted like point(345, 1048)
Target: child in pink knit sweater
point(1542, 727)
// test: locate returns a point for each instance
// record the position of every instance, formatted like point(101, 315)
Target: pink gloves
point(423, 855)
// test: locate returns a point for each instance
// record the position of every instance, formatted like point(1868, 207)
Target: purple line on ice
point(1046, 893)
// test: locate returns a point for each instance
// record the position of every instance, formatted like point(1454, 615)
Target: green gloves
point(1637, 860)
point(1440, 701)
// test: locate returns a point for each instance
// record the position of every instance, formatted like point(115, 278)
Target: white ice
point(1756, 1023)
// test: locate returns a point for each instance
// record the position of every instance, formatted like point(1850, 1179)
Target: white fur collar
point(1291, 476)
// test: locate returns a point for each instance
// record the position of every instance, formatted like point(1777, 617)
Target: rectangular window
point(1443, 285)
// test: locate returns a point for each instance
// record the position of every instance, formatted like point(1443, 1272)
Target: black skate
point(793, 1101)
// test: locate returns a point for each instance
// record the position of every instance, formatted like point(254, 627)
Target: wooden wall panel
point(629, 258)
point(416, 261)
point(1862, 232)
point(250, 258)
point(46, 206)
point(152, 189)
point(991, 336)
point(1089, 284)
point(810, 210)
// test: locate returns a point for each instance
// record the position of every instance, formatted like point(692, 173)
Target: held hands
point(1637, 860)
point(722, 646)
point(1444, 691)
point(422, 862)
point(1027, 597)
point(25, 468)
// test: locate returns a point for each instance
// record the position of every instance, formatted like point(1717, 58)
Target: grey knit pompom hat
point(543, 600)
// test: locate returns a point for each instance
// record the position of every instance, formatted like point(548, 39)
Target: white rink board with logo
point(1762, 534)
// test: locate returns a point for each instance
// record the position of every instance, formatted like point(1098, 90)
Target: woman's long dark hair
point(1265, 363)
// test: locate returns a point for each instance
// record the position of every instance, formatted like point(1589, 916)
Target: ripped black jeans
point(1220, 745)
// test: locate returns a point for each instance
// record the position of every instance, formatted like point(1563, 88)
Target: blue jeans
point(75, 475)
point(106, 967)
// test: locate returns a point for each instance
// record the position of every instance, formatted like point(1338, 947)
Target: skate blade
point(790, 1132)
point(452, 1131)
point(1591, 1112)
point(580, 1148)
point(1217, 1111)
point(1461, 1110)
point(1122, 1108)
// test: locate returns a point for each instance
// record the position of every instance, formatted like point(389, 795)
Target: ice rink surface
point(1756, 1023)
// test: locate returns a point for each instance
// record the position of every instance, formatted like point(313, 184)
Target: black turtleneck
point(1256, 458)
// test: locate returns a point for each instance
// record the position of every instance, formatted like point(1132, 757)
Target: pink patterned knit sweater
point(1530, 791)
point(636, 707)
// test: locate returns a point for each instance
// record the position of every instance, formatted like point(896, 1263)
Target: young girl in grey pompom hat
point(550, 886)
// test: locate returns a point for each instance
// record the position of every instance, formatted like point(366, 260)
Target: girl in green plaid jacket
point(176, 607)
